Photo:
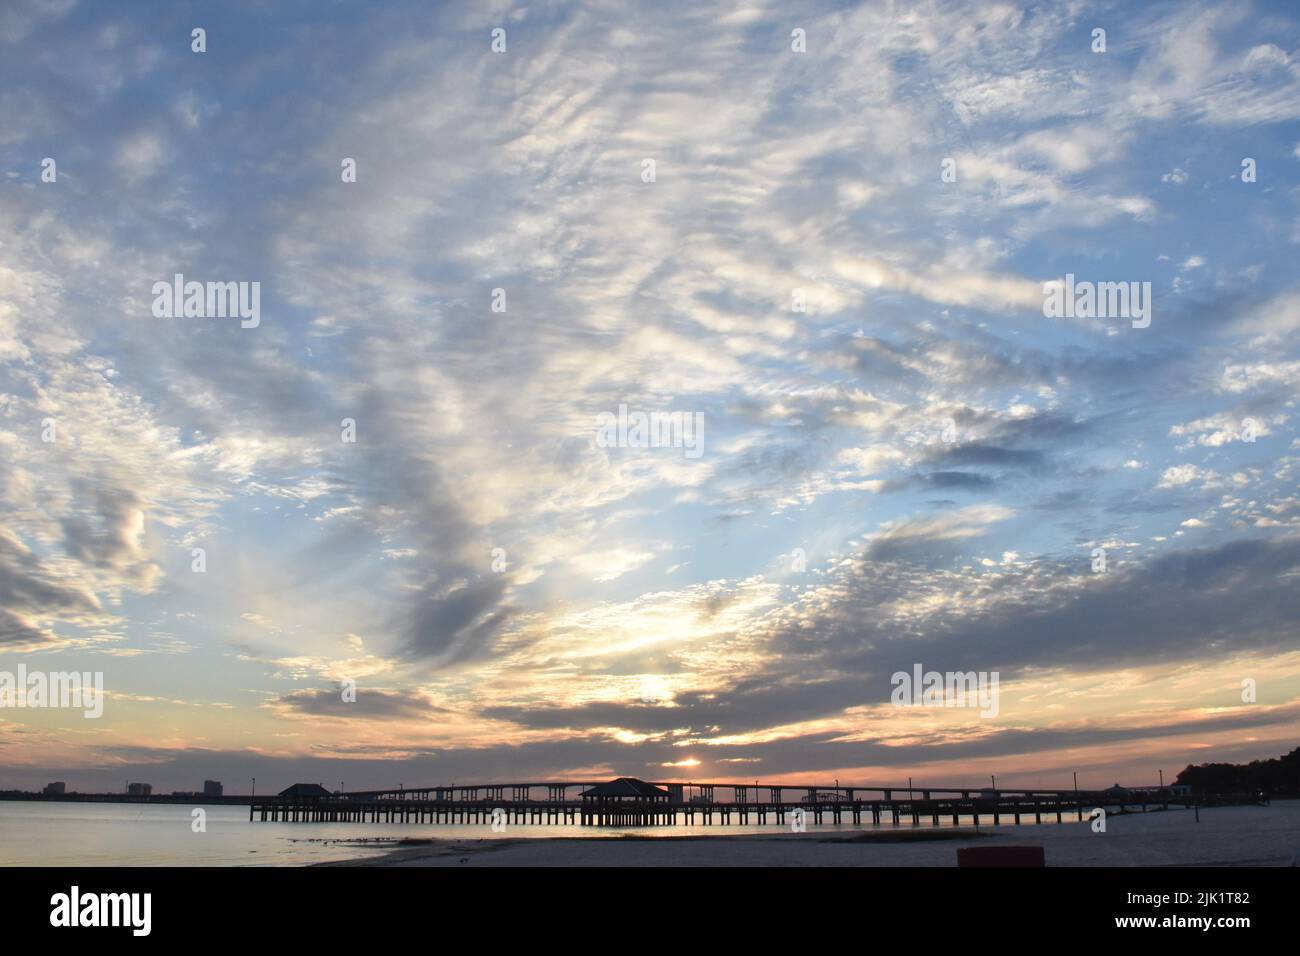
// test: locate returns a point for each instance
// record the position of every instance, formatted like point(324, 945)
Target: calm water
point(129, 834)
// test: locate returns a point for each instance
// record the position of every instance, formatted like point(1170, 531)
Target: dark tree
point(1279, 776)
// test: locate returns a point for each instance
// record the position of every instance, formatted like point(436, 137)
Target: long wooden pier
point(559, 803)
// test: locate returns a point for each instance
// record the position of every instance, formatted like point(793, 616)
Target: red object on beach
point(1001, 856)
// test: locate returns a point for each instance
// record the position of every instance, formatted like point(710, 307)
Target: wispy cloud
point(835, 257)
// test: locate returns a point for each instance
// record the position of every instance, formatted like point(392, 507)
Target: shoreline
point(1225, 836)
point(425, 851)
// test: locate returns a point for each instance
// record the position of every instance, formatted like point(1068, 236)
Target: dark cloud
point(984, 453)
point(456, 625)
point(1199, 604)
point(747, 705)
point(27, 590)
point(100, 528)
point(370, 704)
point(942, 480)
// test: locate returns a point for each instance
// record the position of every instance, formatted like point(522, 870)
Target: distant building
point(305, 791)
point(821, 796)
point(1171, 790)
point(212, 788)
point(139, 789)
point(56, 789)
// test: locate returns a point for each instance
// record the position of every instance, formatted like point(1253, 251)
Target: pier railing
point(692, 804)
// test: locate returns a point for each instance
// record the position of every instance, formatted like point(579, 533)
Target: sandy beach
point(1225, 836)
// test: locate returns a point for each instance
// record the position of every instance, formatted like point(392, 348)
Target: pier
point(629, 802)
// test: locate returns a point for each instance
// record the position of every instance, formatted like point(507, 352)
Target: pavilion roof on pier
point(305, 790)
point(626, 787)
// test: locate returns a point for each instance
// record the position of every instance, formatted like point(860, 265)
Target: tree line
point(1278, 776)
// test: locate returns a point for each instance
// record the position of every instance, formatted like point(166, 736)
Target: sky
point(377, 538)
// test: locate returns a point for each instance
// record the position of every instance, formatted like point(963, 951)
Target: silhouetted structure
point(627, 801)
point(625, 789)
point(305, 791)
point(1001, 856)
point(212, 788)
point(1279, 776)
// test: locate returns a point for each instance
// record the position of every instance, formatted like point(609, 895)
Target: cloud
point(863, 338)
point(31, 594)
point(139, 156)
point(369, 704)
point(916, 536)
point(1179, 475)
